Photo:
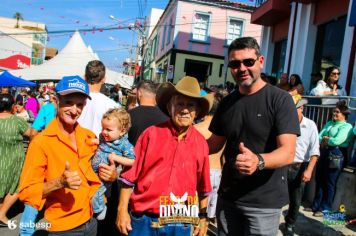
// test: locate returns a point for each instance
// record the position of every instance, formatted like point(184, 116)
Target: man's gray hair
point(147, 86)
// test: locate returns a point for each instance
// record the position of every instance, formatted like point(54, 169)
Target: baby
point(113, 142)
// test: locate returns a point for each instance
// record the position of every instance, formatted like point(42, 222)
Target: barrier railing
point(321, 113)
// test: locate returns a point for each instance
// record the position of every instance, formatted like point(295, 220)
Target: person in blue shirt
point(202, 89)
point(44, 116)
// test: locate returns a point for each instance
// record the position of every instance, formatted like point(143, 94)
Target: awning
point(9, 80)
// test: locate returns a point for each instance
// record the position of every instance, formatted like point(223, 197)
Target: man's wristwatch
point(261, 162)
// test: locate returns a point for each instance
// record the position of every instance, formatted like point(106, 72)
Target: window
point(234, 30)
point(37, 55)
point(221, 69)
point(170, 26)
point(328, 46)
point(200, 27)
point(157, 43)
point(163, 37)
point(153, 48)
point(279, 57)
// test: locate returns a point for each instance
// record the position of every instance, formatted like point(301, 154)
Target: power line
point(76, 53)
point(100, 29)
point(94, 29)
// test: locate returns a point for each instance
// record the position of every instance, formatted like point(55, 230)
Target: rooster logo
point(179, 201)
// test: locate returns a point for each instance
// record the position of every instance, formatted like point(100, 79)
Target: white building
point(22, 45)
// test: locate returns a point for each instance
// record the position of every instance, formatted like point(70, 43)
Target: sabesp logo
point(75, 83)
point(43, 225)
point(12, 224)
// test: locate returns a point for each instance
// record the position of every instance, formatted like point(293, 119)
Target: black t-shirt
point(141, 118)
point(256, 120)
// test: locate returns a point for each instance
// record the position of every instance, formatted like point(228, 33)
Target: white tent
point(71, 60)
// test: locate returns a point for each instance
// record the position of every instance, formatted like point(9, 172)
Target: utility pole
point(142, 40)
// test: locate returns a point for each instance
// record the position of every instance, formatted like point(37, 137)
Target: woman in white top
point(329, 86)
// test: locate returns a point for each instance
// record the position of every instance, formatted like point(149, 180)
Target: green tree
point(18, 17)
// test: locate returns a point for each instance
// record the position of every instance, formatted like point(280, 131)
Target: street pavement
point(307, 225)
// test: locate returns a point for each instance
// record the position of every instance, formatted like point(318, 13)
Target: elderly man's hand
point(108, 173)
point(70, 179)
point(202, 228)
point(246, 162)
point(123, 222)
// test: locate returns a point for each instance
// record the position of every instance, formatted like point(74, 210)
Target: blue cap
point(72, 84)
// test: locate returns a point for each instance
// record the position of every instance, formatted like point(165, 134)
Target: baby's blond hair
point(122, 117)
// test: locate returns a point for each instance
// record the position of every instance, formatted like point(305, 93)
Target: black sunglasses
point(235, 64)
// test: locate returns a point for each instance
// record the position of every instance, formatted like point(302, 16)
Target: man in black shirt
point(147, 113)
point(259, 124)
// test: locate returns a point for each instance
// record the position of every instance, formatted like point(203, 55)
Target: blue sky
point(87, 14)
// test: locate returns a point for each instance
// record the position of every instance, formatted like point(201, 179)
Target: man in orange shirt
point(57, 170)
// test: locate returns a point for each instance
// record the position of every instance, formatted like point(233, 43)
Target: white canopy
point(71, 60)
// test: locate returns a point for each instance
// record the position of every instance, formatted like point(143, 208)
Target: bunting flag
point(42, 8)
point(92, 29)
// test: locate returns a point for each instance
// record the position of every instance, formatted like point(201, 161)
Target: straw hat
point(187, 86)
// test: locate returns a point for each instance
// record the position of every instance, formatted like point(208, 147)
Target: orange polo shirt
point(45, 160)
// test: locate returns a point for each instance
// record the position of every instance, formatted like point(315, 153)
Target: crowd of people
point(319, 86)
point(165, 159)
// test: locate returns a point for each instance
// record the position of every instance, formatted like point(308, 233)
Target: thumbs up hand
point(70, 179)
point(246, 162)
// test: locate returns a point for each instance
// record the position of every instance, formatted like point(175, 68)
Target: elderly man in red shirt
point(171, 173)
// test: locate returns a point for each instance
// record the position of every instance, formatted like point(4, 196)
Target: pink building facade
point(192, 38)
